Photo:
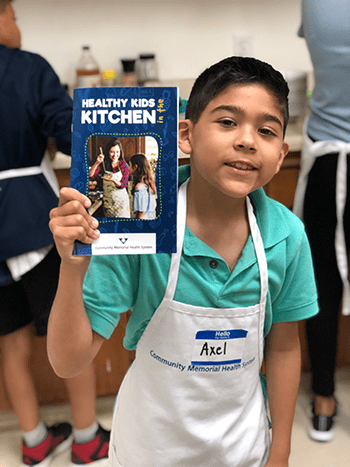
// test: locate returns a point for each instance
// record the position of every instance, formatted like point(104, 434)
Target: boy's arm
point(71, 343)
point(283, 366)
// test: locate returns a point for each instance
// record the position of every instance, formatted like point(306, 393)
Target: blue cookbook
point(135, 203)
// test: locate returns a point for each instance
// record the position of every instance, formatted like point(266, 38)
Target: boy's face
point(9, 33)
point(237, 145)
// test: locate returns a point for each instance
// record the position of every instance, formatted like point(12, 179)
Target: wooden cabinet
point(63, 177)
point(282, 186)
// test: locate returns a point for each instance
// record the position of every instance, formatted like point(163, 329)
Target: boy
point(34, 107)
point(193, 394)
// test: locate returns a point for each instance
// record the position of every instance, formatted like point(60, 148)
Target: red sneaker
point(58, 439)
point(94, 452)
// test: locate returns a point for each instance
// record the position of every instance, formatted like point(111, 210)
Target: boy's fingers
point(69, 208)
point(70, 221)
point(74, 227)
point(70, 194)
point(69, 234)
point(76, 219)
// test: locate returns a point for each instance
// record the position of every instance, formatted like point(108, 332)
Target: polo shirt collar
point(193, 246)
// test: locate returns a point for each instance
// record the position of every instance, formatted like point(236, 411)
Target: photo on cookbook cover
point(124, 158)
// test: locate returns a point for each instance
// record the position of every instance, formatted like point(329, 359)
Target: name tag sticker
point(218, 347)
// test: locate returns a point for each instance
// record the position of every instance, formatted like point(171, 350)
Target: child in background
point(239, 283)
point(34, 107)
point(144, 188)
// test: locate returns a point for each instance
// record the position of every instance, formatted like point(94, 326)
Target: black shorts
point(30, 299)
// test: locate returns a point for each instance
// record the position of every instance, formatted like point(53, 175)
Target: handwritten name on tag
point(221, 347)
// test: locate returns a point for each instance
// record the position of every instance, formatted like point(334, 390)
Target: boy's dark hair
point(236, 70)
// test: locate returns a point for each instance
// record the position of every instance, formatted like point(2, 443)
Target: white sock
point(85, 435)
point(36, 436)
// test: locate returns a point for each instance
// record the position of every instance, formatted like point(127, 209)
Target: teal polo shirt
point(115, 284)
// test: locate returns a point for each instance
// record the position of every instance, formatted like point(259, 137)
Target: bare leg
point(82, 397)
point(16, 352)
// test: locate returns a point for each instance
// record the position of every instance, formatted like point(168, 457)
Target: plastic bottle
point(129, 77)
point(147, 69)
point(88, 73)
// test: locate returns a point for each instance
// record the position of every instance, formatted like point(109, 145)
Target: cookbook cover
point(124, 158)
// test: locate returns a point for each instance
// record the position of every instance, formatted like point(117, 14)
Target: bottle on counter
point(109, 78)
point(129, 77)
point(88, 72)
point(147, 69)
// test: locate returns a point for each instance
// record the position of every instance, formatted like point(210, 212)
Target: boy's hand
point(70, 221)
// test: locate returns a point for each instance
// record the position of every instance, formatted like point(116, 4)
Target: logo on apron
point(218, 347)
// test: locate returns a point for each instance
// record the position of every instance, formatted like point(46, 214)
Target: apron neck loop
point(259, 251)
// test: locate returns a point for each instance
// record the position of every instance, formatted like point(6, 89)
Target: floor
point(305, 452)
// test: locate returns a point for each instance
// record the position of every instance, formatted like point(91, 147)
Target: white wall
point(185, 35)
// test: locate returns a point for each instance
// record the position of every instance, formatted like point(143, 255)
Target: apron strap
point(20, 172)
point(176, 257)
point(264, 275)
point(44, 168)
point(340, 243)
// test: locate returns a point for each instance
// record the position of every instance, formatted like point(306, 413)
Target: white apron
point(193, 395)
point(311, 151)
point(116, 201)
